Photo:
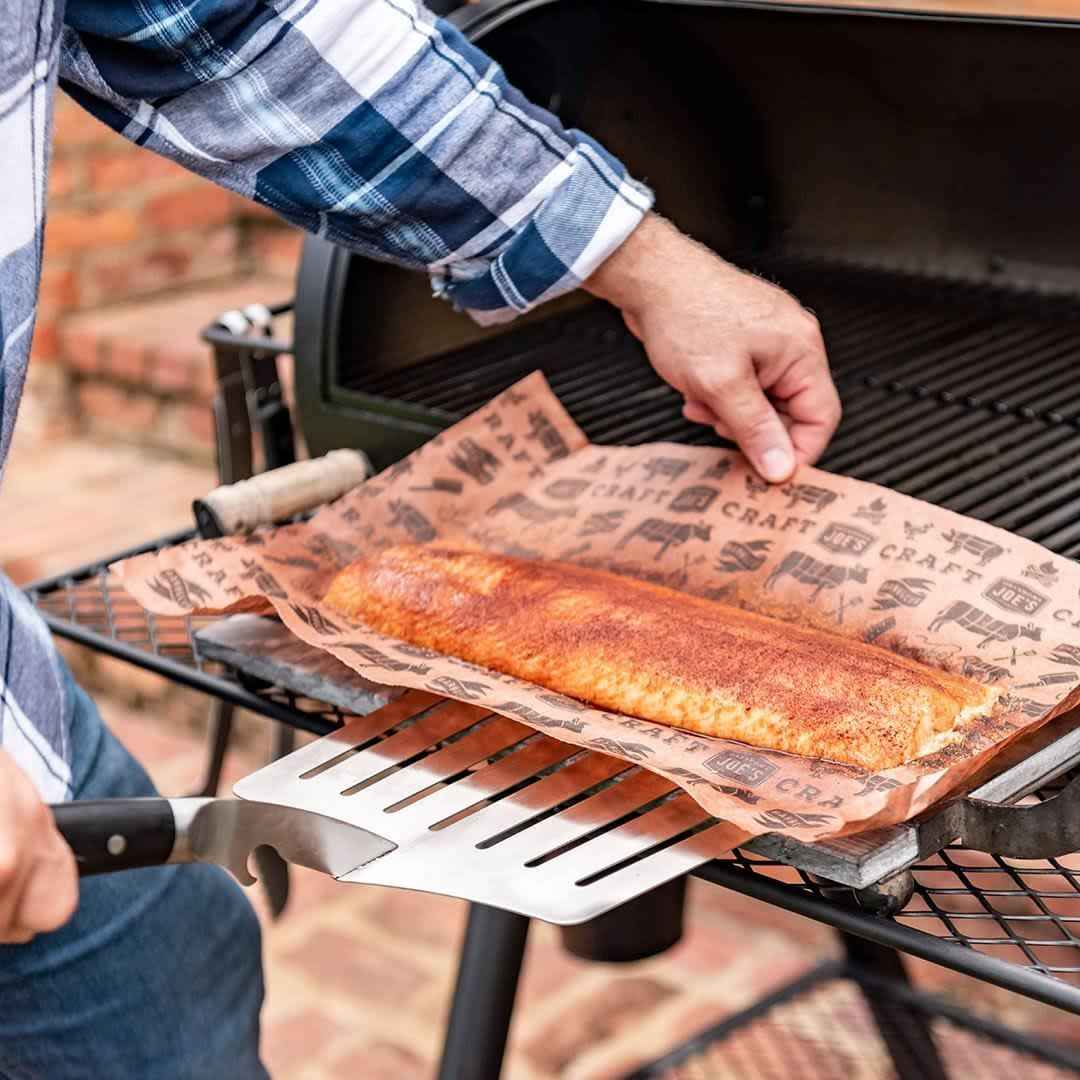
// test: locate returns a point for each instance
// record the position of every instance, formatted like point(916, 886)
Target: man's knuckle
point(758, 423)
point(38, 814)
point(721, 382)
point(9, 864)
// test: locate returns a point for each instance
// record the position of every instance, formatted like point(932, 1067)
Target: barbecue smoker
point(909, 177)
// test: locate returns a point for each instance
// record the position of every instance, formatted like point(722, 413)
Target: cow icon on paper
point(817, 498)
point(807, 570)
point(666, 534)
point(664, 467)
point(718, 470)
point(976, 621)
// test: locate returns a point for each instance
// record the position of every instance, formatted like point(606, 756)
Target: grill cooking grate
point(937, 381)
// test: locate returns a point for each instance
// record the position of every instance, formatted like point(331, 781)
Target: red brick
point(81, 230)
point(199, 423)
point(348, 963)
point(713, 902)
point(126, 360)
point(278, 250)
point(253, 211)
point(135, 685)
point(190, 208)
point(382, 1061)
point(171, 369)
point(414, 916)
point(112, 409)
point(290, 1042)
point(772, 972)
point(101, 401)
point(548, 969)
point(126, 274)
point(204, 379)
point(117, 173)
point(691, 1019)
point(63, 178)
point(596, 1019)
point(45, 346)
point(81, 348)
point(74, 127)
point(58, 290)
point(223, 243)
point(708, 950)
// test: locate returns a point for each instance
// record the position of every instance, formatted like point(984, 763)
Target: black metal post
point(645, 926)
point(220, 726)
point(905, 1031)
point(484, 995)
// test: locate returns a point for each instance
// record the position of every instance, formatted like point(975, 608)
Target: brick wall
point(129, 238)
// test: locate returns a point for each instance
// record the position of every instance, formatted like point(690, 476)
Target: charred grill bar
point(910, 180)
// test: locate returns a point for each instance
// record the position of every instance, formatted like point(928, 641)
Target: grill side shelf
point(266, 649)
point(969, 909)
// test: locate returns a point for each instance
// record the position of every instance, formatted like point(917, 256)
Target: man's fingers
point(38, 876)
point(51, 892)
point(16, 807)
point(805, 391)
point(697, 413)
point(17, 937)
point(746, 414)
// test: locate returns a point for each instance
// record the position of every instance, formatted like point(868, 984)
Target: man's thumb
point(759, 432)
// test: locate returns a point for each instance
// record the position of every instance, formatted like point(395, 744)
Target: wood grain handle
point(281, 493)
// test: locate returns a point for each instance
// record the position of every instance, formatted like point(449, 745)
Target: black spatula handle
point(117, 834)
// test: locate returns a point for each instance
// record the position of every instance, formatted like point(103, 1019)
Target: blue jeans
point(157, 977)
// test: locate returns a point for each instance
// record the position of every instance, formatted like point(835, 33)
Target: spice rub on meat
point(662, 655)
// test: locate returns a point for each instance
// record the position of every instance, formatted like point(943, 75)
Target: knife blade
point(108, 835)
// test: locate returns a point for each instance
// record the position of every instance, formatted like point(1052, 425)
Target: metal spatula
point(123, 834)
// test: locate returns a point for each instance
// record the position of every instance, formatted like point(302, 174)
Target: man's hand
point(746, 356)
point(38, 881)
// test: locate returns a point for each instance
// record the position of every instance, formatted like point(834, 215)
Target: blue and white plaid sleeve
point(368, 122)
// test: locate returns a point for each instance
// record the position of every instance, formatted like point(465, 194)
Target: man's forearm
point(367, 122)
point(747, 358)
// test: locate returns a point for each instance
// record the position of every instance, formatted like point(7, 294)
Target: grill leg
point(905, 1031)
point(220, 732)
point(484, 996)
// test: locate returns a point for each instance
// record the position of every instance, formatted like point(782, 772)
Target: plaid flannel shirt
point(368, 122)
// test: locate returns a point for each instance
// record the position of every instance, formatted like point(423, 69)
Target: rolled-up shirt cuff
point(588, 214)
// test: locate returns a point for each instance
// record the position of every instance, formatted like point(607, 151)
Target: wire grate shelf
point(826, 1029)
point(1025, 912)
point(86, 607)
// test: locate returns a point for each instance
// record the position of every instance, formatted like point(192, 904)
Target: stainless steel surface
point(858, 861)
point(227, 831)
point(485, 808)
